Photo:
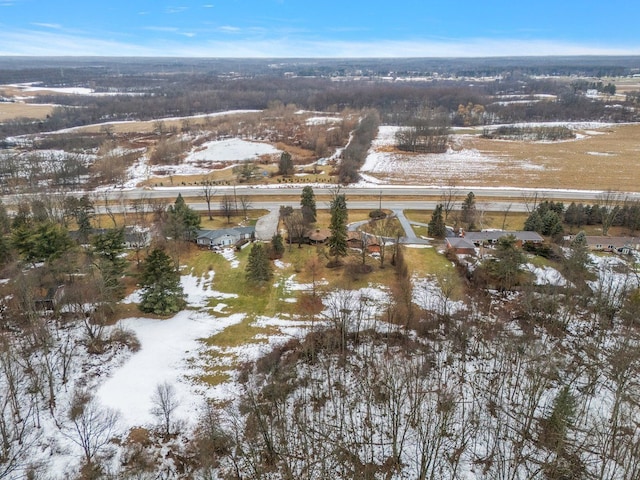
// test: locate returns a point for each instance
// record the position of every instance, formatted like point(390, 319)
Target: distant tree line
point(132, 72)
point(541, 133)
point(154, 97)
point(584, 85)
point(428, 133)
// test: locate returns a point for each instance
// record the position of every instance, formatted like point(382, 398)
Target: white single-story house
point(226, 237)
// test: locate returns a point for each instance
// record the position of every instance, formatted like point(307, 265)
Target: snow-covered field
point(231, 150)
point(167, 348)
point(463, 163)
point(385, 164)
point(201, 160)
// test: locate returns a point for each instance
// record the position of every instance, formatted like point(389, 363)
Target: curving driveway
point(410, 236)
point(267, 226)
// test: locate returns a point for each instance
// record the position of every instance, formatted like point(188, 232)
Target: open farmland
point(12, 110)
point(602, 156)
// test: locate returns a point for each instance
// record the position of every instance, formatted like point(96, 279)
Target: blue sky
point(319, 28)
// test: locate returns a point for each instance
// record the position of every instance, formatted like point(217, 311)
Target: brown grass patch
point(607, 160)
point(12, 111)
point(298, 154)
point(601, 158)
point(149, 126)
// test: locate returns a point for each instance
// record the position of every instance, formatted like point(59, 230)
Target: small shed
point(50, 300)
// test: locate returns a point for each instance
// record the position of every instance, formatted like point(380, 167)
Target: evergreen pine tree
point(258, 265)
point(41, 242)
point(577, 262)
point(337, 241)
point(437, 228)
point(469, 212)
point(277, 245)
point(505, 267)
point(285, 165)
point(82, 210)
point(560, 420)
point(5, 221)
point(575, 215)
point(308, 204)
point(533, 223)
point(5, 250)
point(109, 248)
point(182, 222)
point(551, 224)
point(162, 293)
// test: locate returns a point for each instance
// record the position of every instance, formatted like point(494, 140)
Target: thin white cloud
point(38, 42)
point(160, 29)
point(172, 10)
point(229, 29)
point(207, 6)
point(54, 26)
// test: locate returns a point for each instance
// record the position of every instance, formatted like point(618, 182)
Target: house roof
point(459, 242)
point(132, 234)
point(224, 232)
point(616, 242)
point(494, 235)
point(319, 235)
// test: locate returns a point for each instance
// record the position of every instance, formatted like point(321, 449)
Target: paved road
point(366, 205)
point(377, 194)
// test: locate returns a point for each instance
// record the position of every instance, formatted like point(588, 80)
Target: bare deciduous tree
point(448, 199)
point(296, 227)
point(91, 425)
point(245, 204)
point(227, 206)
point(165, 401)
point(609, 202)
point(386, 231)
point(208, 192)
point(530, 200)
